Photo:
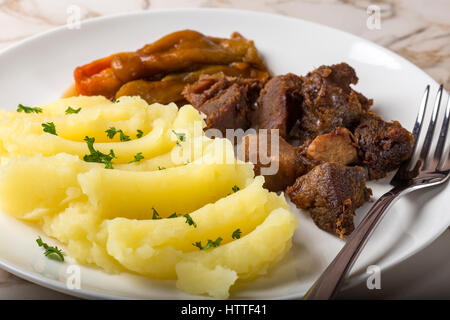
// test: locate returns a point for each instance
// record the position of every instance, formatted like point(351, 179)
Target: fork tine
point(412, 164)
point(429, 135)
point(420, 116)
point(418, 127)
point(442, 137)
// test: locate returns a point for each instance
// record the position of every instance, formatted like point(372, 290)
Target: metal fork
point(421, 171)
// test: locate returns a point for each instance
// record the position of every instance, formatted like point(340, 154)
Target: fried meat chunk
point(279, 104)
point(329, 101)
point(337, 146)
point(383, 146)
point(226, 101)
point(331, 192)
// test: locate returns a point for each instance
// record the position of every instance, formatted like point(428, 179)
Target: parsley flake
point(137, 157)
point(139, 134)
point(235, 188)
point(155, 214)
point(189, 220)
point(173, 215)
point(236, 234)
point(111, 132)
point(22, 108)
point(161, 168)
point(51, 252)
point(180, 137)
point(49, 127)
point(70, 110)
point(123, 136)
point(209, 244)
point(98, 156)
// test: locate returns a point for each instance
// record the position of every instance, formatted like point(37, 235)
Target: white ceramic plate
point(39, 69)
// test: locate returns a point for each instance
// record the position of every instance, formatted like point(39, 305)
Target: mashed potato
point(174, 205)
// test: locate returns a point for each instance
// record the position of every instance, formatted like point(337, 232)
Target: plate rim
point(91, 294)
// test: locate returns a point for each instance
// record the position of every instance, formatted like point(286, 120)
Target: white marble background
point(418, 30)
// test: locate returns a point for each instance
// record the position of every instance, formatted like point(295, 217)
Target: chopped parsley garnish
point(98, 156)
point(22, 108)
point(123, 136)
point(49, 127)
point(117, 101)
point(189, 220)
point(111, 132)
point(70, 110)
point(209, 244)
point(173, 215)
point(180, 137)
point(137, 157)
point(155, 214)
point(139, 134)
point(161, 168)
point(236, 234)
point(235, 188)
point(51, 252)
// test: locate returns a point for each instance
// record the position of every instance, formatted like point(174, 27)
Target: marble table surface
point(418, 30)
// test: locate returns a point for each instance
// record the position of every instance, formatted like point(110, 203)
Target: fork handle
point(332, 278)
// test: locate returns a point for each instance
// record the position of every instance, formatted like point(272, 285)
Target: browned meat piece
point(290, 162)
point(337, 146)
point(280, 104)
point(328, 100)
point(383, 146)
point(226, 101)
point(331, 192)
